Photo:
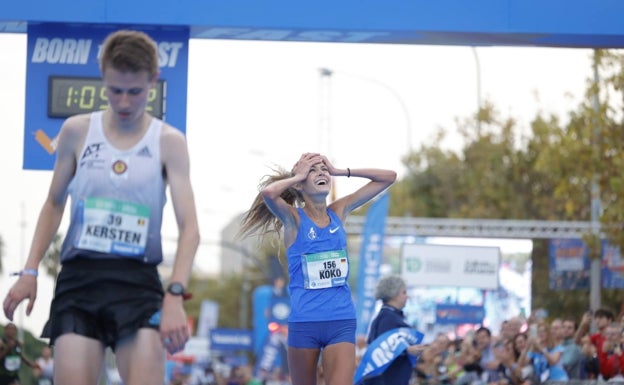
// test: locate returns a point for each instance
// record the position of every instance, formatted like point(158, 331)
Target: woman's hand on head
point(307, 160)
point(329, 165)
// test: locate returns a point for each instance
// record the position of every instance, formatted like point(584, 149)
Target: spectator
point(461, 354)
point(392, 291)
point(556, 331)
point(510, 328)
point(545, 356)
point(524, 367)
point(234, 378)
point(486, 369)
point(572, 354)
point(507, 369)
point(44, 373)
point(442, 343)
point(12, 356)
point(602, 318)
point(428, 366)
point(488, 361)
point(245, 376)
point(610, 356)
point(590, 367)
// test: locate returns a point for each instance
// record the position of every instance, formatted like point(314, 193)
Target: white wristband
point(32, 272)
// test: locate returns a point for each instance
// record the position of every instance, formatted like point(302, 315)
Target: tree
point(546, 175)
point(223, 290)
point(486, 180)
point(52, 259)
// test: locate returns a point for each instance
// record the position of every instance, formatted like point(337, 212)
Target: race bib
point(113, 226)
point(12, 363)
point(325, 269)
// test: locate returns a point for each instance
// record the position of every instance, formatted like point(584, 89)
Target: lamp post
point(478, 69)
point(408, 124)
point(324, 109)
point(326, 74)
point(325, 124)
point(595, 203)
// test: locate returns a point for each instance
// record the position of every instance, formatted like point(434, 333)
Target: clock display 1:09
point(71, 95)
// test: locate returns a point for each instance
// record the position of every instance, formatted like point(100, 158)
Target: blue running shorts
point(319, 334)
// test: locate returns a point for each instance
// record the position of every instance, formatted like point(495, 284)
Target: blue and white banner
point(385, 349)
point(612, 272)
point(370, 259)
point(272, 353)
point(231, 339)
point(208, 318)
point(454, 314)
point(63, 79)
point(568, 264)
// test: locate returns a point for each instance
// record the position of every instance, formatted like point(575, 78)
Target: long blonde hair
point(259, 219)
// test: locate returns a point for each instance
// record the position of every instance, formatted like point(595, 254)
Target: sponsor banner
point(371, 254)
point(231, 339)
point(208, 318)
point(612, 271)
point(459, 314)
point(458, 266)
point(568, 264)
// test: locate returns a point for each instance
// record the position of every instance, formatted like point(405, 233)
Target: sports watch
point(176, 288)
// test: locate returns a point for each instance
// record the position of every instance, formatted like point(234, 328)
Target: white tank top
point(117, 198)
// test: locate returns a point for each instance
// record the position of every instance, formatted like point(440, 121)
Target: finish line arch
point(555, 23)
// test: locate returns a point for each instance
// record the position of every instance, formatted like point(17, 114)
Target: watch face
point(175, 288)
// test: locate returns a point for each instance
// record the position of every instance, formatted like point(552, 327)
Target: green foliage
point(225, 291)
point(52, 259)
point(546, 175)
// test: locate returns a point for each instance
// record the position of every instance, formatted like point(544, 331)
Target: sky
point(254, 105)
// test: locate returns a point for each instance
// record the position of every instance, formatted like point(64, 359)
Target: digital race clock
point(71, 95)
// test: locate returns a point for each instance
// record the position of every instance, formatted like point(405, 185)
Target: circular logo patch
point(119, 167)
point(413, 264)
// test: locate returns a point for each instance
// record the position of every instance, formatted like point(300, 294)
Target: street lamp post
point(325, 123)
point(326, 72)
point(478, 69)
point(595, 204)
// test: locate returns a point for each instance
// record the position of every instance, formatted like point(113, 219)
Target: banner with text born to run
point(457, 266)
point(63, 79)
